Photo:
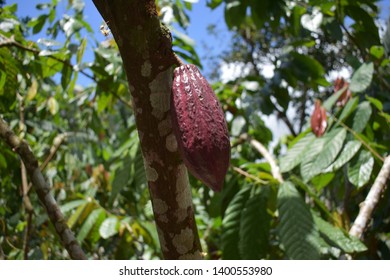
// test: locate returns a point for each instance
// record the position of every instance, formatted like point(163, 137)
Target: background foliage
point(78, 114)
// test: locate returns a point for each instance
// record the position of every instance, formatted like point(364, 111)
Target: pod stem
point(177, 59)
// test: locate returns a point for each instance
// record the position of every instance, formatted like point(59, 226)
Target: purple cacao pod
point(199, 126)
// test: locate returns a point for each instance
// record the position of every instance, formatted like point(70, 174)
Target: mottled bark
point(42, 188)
point(371, 201)
point(145, 48)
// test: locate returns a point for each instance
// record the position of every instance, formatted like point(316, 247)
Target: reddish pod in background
point(339, 83)
point(199, 126)
point(318, 119)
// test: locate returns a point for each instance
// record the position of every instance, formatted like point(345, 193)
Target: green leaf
point(359, 170)
point(94, 234)
point(71, 205)
point(362, 77)
point(89, 223)
point(66, 75)
point(235, 13)
point(121, 179)
point(77, 214)
point(297, 230)
point(231, 225)
point(329, 152)
point(109, 227)
point(3, 78)
point(81, 50)
point(337, 236)
point(377, 51)
point(349, 108)
point(254, 228)
point(322, 180)
point(349, 150)
point(362, 116)
point(37, 23)
point(295, 155)
point(214, 3)
point(376, 102)
point(310, 155)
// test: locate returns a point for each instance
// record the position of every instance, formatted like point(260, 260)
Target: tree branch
point(371, 201)
point(267, 156)
point(43, 190)
point(146, 50)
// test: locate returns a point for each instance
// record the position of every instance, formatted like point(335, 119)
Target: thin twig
point(42, 189)
point(268, 157)
point(246, 174)
point(371, 201)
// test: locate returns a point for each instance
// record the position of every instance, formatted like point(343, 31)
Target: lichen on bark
point(146, 51)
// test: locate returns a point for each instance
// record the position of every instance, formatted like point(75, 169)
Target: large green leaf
point(254, 227)
point(297, 230)
point(359, 170)
point(295, 155)
point(349, 150)
point(231, 225)
point(310, 156)
point(330, 151)
point(335, 235)
point(362, 77)
point(362, 116)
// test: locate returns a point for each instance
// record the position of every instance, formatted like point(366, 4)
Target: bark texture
point(146, 51)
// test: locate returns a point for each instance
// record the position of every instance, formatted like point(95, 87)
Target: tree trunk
point(146, 50)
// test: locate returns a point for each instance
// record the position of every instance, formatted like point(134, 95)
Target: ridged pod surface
point(199, 126)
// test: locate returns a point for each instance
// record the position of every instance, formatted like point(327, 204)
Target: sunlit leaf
point(362, 77)
point(295, 155)
point(109, 227)
point(362, 116)
point(338, 237)
point(359, 170)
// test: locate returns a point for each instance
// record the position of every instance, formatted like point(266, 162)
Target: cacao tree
point(92, 102)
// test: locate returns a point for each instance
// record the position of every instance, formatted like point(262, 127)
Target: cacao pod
point(200, 128)
point(318, 119)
